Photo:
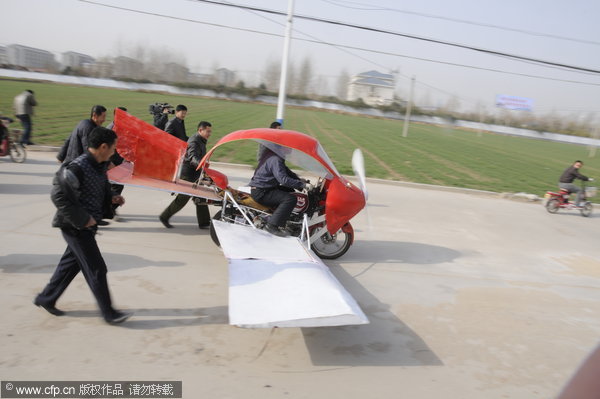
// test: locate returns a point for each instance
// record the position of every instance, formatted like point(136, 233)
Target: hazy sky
point(564, 32)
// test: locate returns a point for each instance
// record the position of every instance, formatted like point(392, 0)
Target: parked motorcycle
point(560, 200)
point(9, 145)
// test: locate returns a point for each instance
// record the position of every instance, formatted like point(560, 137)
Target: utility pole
point(408, 106)
point(284, 63)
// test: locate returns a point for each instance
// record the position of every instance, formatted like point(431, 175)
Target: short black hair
point(275, 125)
point(100, 135)
point(122, 109)
point(31, 91)
point(180, 107)
point(581, 162)
point(204, 124)
point(97, 110)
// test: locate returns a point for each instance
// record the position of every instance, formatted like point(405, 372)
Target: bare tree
point(271, 75)
point(305, 77)
point(343, 80)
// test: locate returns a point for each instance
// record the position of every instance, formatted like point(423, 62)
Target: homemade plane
point(274, 281)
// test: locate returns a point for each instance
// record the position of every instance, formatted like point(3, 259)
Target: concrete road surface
point(469, 296)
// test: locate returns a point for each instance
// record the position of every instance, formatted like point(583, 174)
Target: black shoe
point(31, 143)
point(118, 317)
point(204, 226)
point(165, 222)
point(102, 223)
point(50, 309)
point(276, 230)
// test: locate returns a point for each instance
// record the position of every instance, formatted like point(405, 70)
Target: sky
point(207, 36)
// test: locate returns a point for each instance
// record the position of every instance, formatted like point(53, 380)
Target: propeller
point(358, 166)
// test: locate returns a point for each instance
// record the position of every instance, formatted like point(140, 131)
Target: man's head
point(180, 111)
point(578, 164)
point(102, 143)
point(30, 91)
point(275, 125)
point(204, 129)
point(98, 115)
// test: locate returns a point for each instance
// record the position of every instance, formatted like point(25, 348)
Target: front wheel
point(213, 232)
point(17, 153)
point(587, 209)
point(552, 205)
point(333, 246)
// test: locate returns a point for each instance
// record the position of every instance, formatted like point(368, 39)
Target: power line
point(436, 41)
point(368, 7)
point(334, 44)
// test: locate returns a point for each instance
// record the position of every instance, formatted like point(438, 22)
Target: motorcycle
point(321, 216)
point(9, 145)
point(560, 200)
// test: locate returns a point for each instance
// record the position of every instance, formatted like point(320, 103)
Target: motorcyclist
point(272, 185)
point(568, 176)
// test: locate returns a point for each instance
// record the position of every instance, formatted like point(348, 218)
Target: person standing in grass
point(23, 105)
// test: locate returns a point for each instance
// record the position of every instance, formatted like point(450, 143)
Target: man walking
point(176, 126)
point(77, 143)
point(194, 153)
point(82, 196)
point(23, 106)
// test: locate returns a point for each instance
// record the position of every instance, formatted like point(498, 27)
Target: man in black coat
point(77, 143)
point(81, 193)
point(194, 153)
point(176, 126)
point(568, 176)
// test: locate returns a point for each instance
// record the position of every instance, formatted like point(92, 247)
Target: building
point(174, 72)
point(125, 67)
point(3, 55)
point(29, 57)
point(374, 88)
point(224, 77)
point(75, 60)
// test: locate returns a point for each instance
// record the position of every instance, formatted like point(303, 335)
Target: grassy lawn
point(430, 154)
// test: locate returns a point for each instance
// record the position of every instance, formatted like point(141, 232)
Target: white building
point(76, 60)
point(374, 88)
point(30, 57)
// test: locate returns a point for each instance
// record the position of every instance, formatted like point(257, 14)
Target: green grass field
point(430, 154)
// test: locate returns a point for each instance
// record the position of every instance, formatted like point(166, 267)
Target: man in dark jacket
point(272, 186)
point(194, 153)
point(566, 180)
point(81, 193)
point(77, 143)
point(176, 126)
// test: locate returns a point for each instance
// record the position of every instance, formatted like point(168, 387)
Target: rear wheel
point(552, 205)
point(332, 246)
point(17, 152)
point(587, 209)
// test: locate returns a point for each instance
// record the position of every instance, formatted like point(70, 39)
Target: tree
point(271, 75)
point(341, 90)
point(305, 77)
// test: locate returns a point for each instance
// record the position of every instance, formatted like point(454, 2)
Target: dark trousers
point(284, 202)
point(202, 213)
point(26, 123)
point(83, 254)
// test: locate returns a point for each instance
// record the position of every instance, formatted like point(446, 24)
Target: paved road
point(469, 297)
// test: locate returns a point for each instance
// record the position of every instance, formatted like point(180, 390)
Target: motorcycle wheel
point(332, 246)
point(552, 205)
point(587, 209)
point(213, 233)
point(17, 153)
